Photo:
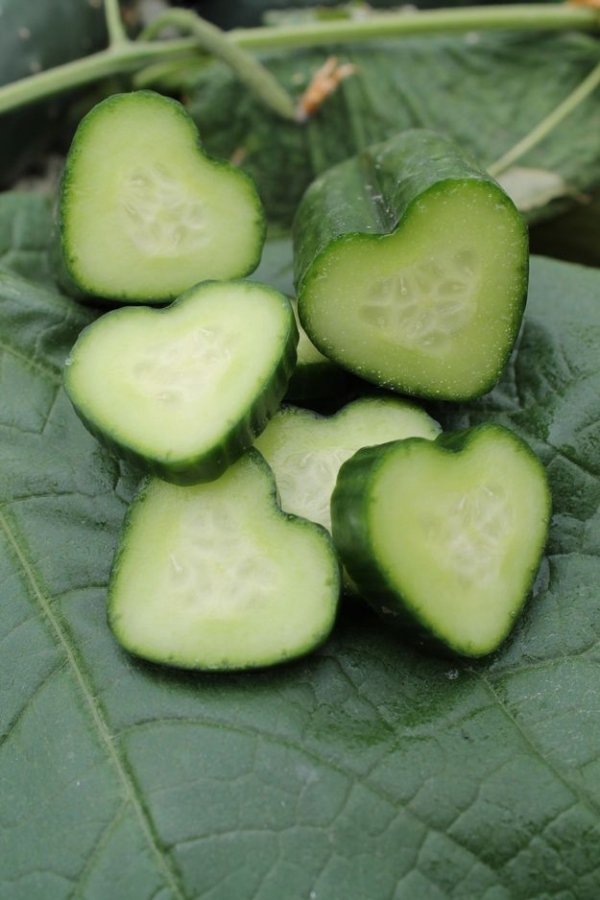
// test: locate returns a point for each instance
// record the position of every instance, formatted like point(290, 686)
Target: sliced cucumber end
point(441, 313)
point(306, 450)
point(446, 535)
point(466, 560)
point(185, 390)
point(215, 577)
point(144, 213)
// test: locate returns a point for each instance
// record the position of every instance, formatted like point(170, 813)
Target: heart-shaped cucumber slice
point(144, 214)
point(215, 576)
point(445, 537)
point(411, 265)
point(305, 450)
point(185, 390)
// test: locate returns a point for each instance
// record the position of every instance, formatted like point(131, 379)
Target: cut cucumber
point(305, 450)
point(215, 576)
point(184, 390)
point(445, 537)
point(411, 265)
point(143, 213)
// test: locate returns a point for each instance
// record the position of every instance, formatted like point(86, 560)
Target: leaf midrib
point(63, 639)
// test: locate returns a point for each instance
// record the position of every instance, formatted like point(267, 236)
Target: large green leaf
point(486, 91)
point(367, 771)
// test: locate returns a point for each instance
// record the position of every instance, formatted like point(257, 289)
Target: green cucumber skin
point(350, 506)
point(63, 257)
point(133, 511)
point(209, 466)
point(370, 195)
point(37, 35)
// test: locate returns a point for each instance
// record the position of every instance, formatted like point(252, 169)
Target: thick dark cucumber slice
point(411, 265)
point(215, 576)
point(305, 450)
point(444, 538)
point(144, 214)
point(185, 390)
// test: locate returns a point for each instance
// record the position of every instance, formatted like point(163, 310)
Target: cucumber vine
point(124, 55)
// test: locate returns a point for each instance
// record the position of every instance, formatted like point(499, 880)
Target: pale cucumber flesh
point(305, 450)
point(431, 309)
point(445, 537)
point(144, 213)
point(214, 576)
point(466, 545)
point(177, 385)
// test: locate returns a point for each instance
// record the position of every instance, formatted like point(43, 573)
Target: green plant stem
point(123, 58)
point(537, 134)
point(168, 72)
point(538, 17)
point(210, 38)
point(129, 56)
point(114, 23)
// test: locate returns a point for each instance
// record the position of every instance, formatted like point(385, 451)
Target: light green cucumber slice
point(305, 450)
point(444, 538)
point(144, 214)
point(215, 576)
point(411, 265)
point(185, 390)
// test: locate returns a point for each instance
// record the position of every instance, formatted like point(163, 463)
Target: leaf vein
point(63, 639)
point(585, 800)
point(103, 838)
point(8, 732)
point(289, 744)
point(51, 408)
point(49, 372)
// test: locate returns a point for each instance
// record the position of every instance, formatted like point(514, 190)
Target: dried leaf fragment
point(323, 83)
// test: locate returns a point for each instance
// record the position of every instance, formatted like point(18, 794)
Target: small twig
point(114, 23)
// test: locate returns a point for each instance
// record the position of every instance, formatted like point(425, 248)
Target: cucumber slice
point(445, 537)
point(184, 390)
point(411, 265)
point(215, 576)
point(305, 450)
point(143, 213)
